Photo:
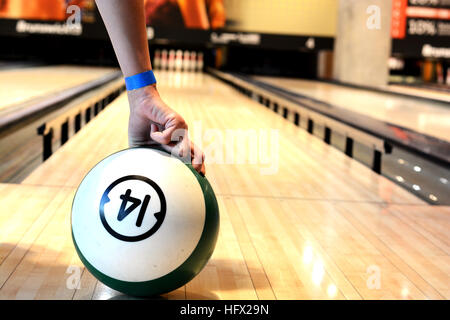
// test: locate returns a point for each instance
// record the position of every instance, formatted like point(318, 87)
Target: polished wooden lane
point(25, 84)
point(321, 226)
point(38, 260)
point(295, 164)
point(428, 117)
point(268, 248)
point(324, 249)
point(420, 92)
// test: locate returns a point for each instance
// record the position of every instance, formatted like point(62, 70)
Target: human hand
point(154, 122)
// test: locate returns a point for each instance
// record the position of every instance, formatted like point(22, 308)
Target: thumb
point(163, 137)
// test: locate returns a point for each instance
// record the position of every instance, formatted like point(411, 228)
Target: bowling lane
point(25, 84)
point(428, 117)
point(38, 259)
point(230, 127)
point(421, 92)
point(268, 248)
point(312, 228)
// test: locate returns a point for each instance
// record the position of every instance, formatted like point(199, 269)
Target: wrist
point(145, 94)
point(149, 90)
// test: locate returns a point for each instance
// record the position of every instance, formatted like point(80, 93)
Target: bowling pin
point(193, 61)
point(172, 60)
point(164, 60)
point(200, 61)
point(157, 60)
point(179, 60)
point(186, 60)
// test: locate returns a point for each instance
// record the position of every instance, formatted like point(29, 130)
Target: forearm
point(125, 23)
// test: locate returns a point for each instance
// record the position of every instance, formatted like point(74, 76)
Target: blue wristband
point(140, 80)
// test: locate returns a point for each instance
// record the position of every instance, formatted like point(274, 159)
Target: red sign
point(422, 20)
point(398, 28)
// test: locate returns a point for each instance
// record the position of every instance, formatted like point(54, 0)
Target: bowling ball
point(143, 222)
